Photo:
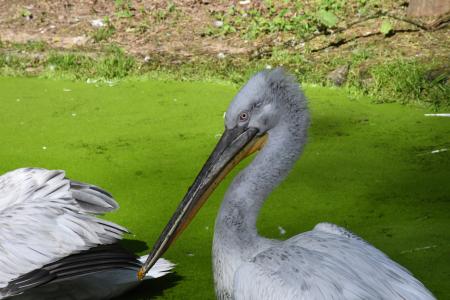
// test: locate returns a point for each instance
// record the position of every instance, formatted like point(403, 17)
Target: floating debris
point(44, 147)
point(18, 100)
point(90, 81)
point(217, 135)
point(437, 115)
point(418, 249)
point(111, 82)
point(433, 152)
point(281, 230)
point(190, 254)
point(67, 90)
point(74, 114)
point(439, 150)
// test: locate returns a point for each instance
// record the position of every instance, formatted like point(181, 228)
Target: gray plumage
point(327, 262)
point(52, 245)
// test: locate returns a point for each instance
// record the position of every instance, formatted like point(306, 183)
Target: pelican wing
point(45, 217)
point(323, 263)
point(100, 258)
point(102, 272)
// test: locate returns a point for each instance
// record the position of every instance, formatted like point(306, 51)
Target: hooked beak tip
point(141, 274)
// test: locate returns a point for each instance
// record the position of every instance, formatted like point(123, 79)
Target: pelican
point(329, 262)
point(52, 245)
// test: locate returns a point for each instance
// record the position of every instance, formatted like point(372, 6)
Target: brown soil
point(152, 30)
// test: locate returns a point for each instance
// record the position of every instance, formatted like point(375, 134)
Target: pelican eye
point(243, 116)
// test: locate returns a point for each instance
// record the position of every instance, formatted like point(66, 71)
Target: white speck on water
point(437, 115)
point(418, 249)
point(439, 150)
point(18, 100)
point(111, 82)
point(281, 230)
point(44, 147)
point(175, 100)
point(67, 90)
point(97, 23)
point(74, 114)
point(221, 55)
point(90, 80)
point(217, 135)
point(433, 152)
point(190, 254)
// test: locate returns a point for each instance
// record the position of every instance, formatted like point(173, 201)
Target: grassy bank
point(407, 81)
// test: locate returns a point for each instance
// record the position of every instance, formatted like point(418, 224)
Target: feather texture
point(49, 234)
point(328, 262)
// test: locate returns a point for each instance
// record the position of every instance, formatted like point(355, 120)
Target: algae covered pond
point(373, 169)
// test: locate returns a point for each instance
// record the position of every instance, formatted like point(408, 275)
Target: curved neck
point(236, 222)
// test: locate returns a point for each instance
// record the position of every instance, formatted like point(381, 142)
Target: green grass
point(104, 33)
point(297, 18)
point(367, 167)
point(405, 81)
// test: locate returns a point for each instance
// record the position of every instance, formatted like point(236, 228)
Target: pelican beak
point(234, 145)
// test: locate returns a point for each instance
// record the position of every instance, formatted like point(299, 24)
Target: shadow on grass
point(134, 246)
point(149, 289)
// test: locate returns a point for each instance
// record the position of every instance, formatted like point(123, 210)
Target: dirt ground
point(67, 24)
point(178, 28)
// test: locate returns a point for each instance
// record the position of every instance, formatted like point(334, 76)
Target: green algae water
point(381, 171)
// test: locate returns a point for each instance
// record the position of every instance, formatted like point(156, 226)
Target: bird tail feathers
point(161, 268)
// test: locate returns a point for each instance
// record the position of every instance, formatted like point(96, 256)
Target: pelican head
point(269, 99)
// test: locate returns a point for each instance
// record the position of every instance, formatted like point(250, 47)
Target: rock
point(364, 71)
point(339, 76)
point(78, 40)
point(428, 8)
point(218, 24)
point(441, 74)
point(37, 58)
point(97, 23)
point(34, 70)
